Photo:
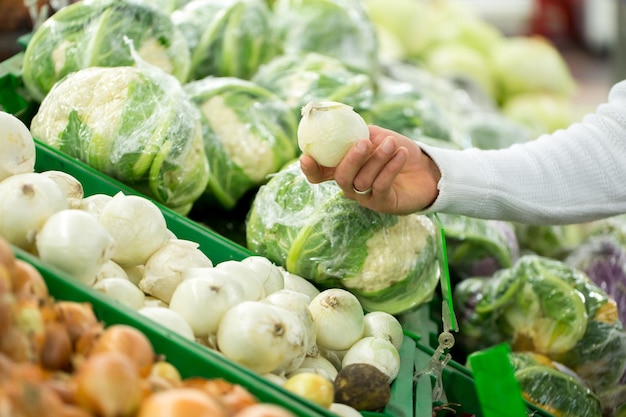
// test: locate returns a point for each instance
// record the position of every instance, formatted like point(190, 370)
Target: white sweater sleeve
point(570, 176)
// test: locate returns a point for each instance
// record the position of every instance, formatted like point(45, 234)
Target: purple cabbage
point(603, 259)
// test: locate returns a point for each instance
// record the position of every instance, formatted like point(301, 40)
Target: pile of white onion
point(252, 311)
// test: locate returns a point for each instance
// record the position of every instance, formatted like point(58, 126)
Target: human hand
point(401, 177)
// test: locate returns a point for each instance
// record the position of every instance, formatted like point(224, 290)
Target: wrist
point(433, 178)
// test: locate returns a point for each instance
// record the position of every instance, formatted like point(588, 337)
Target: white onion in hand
point(328, 129)
point(339, 318)
point(262, 337)
point(74, 241)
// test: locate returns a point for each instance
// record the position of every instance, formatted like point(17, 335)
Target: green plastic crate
point(190, 357)
point(458, 382)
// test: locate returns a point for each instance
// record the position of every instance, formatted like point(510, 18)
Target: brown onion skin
point(77, 317)
point(56, 353)
point(181, 402)
point(7, 259)
point(7, 311)
point(16, 345)
point(128, 341)
point(28, 283)
point(234, 397)
point(109, 385)
point(32, 399)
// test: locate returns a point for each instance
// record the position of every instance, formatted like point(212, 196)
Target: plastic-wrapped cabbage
point(389, 262)
point(477, 247)
point(614, 226)
point(540, 112)
point(492, 130)
point(553, 387)
point(603, 259)
point(479, 327)
point(545, 306)
point(228, 38)
point(93, 33)
point(135, 124)
point(451, 97)
point(456, 61)
point(551, 241)
point(338, 28)
point(530, 64)
point(600, 357)
point(167, 5)
point(248, 132)
point(614, 401)
point(541, 311)
point(301, 78)
point(399, 106)
point(420, 26)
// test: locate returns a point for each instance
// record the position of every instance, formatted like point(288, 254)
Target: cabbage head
point(553, 387)
point(228, 38)
point(530, 64)
point(312, 230)
point(248, 133)
point(478, 247)
point(134, 124)
point(338, 28)
point(402, 107)
point(493, 130)
point(544, 306)
point(95, 33)
point(299, 78)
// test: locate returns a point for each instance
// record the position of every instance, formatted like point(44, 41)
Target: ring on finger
point(364, 192)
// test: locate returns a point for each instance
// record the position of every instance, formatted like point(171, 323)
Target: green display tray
point(460, 389)
point(192, 358)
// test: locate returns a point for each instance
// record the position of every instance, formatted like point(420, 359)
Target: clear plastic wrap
point(97, 33)
point(338, 28)
point(402, 107)
point(603, 259)
point(134, 124)
point(544, 306)
point(478, 247)
point(248, 133)
point(553, 387)
point(389, 262)
point(228, 38)
point(299, 78)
